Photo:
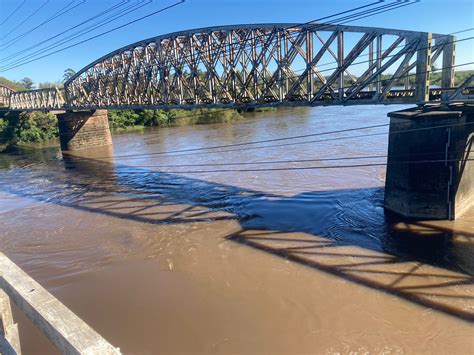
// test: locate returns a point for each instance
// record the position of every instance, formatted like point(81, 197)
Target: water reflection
point(391, 254)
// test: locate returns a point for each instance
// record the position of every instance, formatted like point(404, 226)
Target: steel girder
point(262, 65)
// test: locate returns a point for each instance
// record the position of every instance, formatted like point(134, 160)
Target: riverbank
point(39, 128)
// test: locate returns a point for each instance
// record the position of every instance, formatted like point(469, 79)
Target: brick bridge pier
point(83, 130)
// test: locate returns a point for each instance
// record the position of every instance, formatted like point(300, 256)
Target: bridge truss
point(261, 65)
point(5, 93)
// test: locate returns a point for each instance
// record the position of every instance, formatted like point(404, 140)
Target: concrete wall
point(82, 130)
point(429, 175)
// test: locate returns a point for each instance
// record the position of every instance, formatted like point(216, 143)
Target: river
point(175, 253)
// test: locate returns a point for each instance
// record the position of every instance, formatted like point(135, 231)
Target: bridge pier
point(430, 174)
point(85, 129)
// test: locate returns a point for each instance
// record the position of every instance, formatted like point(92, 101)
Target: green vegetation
point(11, 84)
point(38, 127)
point(24, 128)
point(28, 84)
point(123, 119)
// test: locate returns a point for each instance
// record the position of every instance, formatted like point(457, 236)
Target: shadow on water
point(343, 233)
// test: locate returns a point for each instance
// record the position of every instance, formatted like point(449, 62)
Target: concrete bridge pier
point(430, 172)
point(83, 130)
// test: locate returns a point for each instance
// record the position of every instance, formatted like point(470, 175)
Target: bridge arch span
point(264, 64)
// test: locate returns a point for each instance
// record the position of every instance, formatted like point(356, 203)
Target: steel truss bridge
point(260, 65)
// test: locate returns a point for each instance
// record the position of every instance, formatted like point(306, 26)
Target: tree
point(68, 73)
point(50, 84)
point(27, 83)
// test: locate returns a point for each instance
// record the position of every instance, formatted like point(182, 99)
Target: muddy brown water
point(162, 260)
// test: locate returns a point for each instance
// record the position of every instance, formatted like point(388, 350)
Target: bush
point(36, 127)
point(122, 118)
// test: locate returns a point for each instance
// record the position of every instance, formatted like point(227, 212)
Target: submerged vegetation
point(39, 127)
point(24, 128)
point(123, 119)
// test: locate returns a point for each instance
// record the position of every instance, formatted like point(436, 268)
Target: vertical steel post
point(378, 83)
point(449, 59)
point(423, 68)
point(340, 63)
point(309, 58)
point(280, 70)
point(406, 79)
point(371, 62)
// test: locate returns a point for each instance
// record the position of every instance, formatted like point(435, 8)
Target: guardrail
point(65, 330)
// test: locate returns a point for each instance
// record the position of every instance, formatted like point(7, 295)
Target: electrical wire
point(101, 34)
point(343, 12)
point(26, 19)
point(122, 13)
point(108, 10)
point(28, 61)
point(64, 10)
point(200, 151)
point(318, 26)
point(319, 167)
point(13, 13)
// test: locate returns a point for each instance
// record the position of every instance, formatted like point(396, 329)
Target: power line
point(326, 17)
point(386, 57)
point(64, 10)
point(107, 20)
point(286, 138)
point(26, 19)
point(322, 18)
point(200, 151)
point(319, 167)
point(13, 13)
point(37, 58)
point(275, 139)
point(13, 55)
point(101, 34)
point(322, 26)
point(271, 162)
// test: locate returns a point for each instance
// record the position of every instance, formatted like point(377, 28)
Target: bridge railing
point(41, 99)
point(61, 326)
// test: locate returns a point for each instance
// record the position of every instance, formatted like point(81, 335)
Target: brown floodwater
point(177, 254)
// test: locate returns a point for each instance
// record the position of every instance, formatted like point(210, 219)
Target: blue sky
point(441, 16)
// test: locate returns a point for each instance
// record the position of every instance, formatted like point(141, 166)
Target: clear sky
point(440, 16)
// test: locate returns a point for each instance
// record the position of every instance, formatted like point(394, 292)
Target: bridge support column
point(82, 130)
point(430, 174)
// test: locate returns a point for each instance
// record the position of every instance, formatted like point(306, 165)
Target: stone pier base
point(430, 174)
point(82, 130)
